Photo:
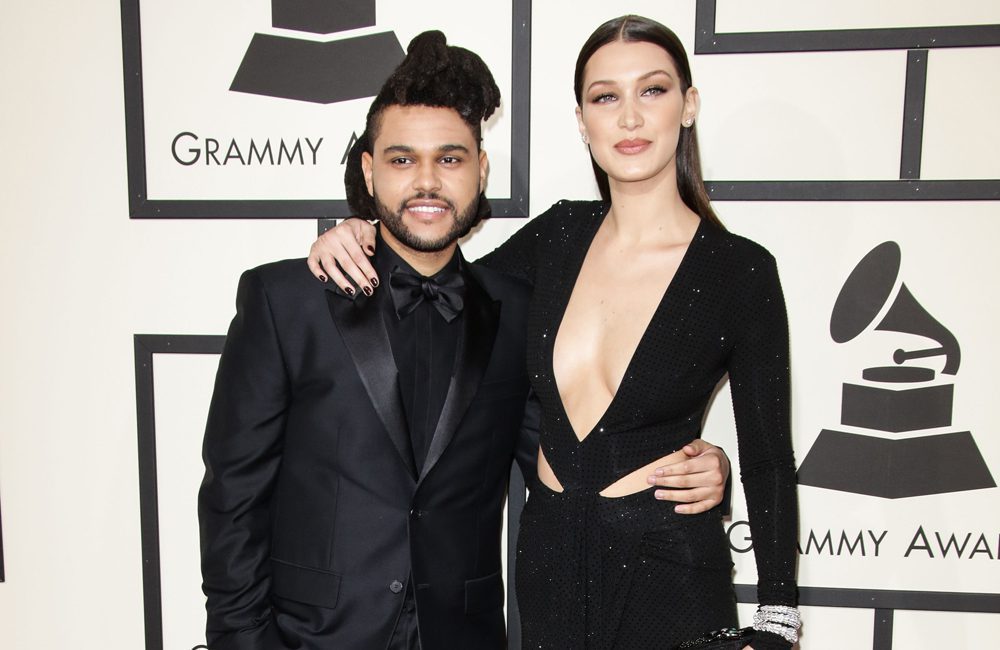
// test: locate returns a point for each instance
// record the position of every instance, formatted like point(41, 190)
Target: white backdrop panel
point(953, 277)
point(779, 15)
point(191, 52)
point(182, 389)
point(814, 115)
point(932, 630)
point(961, 131)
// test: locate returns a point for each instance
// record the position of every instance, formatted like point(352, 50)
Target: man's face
point(425, 172)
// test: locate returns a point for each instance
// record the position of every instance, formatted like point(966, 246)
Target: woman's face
point(632, 110)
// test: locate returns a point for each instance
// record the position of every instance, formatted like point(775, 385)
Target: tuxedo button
point(417, 514)
point(396, 586)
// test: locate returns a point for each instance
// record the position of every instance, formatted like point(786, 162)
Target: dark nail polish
point(368, 290)
point(349, 291)
point(374, 282)
point(322, 278)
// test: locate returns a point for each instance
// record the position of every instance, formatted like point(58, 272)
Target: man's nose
point(427, 178)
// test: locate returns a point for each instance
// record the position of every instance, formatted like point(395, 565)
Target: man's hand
point(347, 245)
point(698, 482)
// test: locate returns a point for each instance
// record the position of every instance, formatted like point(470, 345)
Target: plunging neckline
point(568, 295)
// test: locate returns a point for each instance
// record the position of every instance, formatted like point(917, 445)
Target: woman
point(625, 375)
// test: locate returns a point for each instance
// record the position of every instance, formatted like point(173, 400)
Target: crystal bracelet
point(781, 620)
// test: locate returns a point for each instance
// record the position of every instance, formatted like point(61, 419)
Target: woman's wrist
point(779, 620)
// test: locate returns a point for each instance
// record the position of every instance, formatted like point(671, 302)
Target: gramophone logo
point(323, 72)
point(900, 407)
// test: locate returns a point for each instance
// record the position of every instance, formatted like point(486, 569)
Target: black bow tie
point(445, 291)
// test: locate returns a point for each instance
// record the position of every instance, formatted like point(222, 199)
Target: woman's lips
point(632, 147)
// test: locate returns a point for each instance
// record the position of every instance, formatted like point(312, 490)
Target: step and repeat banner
point(857, 141)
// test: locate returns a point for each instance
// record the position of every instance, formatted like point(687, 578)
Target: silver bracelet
point(781, 620)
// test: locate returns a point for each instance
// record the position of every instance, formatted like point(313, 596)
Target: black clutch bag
point(730, 638)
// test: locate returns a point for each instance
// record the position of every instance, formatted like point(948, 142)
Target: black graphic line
point(146, 345)
point(520, 114)
point(888, 190)
point(913, 114)
point(709, 41)
point(941, 601)
point(135, 119)
point(322, 225)
point(882, 634)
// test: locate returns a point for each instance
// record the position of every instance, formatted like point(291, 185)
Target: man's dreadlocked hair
point(432, 74)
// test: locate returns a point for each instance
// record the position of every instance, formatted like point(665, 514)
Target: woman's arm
point(760, 386)
point(342, 252)
point(518, 256)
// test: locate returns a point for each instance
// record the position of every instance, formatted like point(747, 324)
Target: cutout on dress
point(635, 481)
point(546, 475)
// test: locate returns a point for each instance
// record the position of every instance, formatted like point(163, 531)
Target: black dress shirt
point(423, 346)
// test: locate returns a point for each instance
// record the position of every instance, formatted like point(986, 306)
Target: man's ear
point(366, 169)
point(484, 169)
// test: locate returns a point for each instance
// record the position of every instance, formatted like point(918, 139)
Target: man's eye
point(400, 161)
point(451, 160)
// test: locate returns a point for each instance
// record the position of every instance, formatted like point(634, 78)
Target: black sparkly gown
point(628, 573)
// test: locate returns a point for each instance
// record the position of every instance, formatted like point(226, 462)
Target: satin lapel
point(360, 324)
point(481, 317)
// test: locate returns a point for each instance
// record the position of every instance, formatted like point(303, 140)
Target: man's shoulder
point(284, 277)
point(283, 271)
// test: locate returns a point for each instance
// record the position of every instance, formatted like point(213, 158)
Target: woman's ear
point(692, 104)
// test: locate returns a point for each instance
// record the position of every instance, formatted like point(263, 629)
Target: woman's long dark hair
point(636, 29)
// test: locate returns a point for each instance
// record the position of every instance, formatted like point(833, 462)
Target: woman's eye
point(603, 98)
point(654, 90)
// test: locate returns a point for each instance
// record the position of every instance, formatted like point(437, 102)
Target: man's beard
point(393, 222)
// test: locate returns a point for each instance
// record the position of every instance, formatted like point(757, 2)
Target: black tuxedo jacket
point(313, 517)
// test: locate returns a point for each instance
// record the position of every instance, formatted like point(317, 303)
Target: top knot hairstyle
point(434, 74)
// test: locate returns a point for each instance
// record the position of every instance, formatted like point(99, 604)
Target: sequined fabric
point(596, 572)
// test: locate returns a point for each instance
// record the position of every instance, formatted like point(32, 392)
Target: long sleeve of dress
point(759, 382)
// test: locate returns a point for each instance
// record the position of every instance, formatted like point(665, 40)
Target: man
point(358, 443)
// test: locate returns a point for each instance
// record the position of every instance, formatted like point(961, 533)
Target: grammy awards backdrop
point(155, 150)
